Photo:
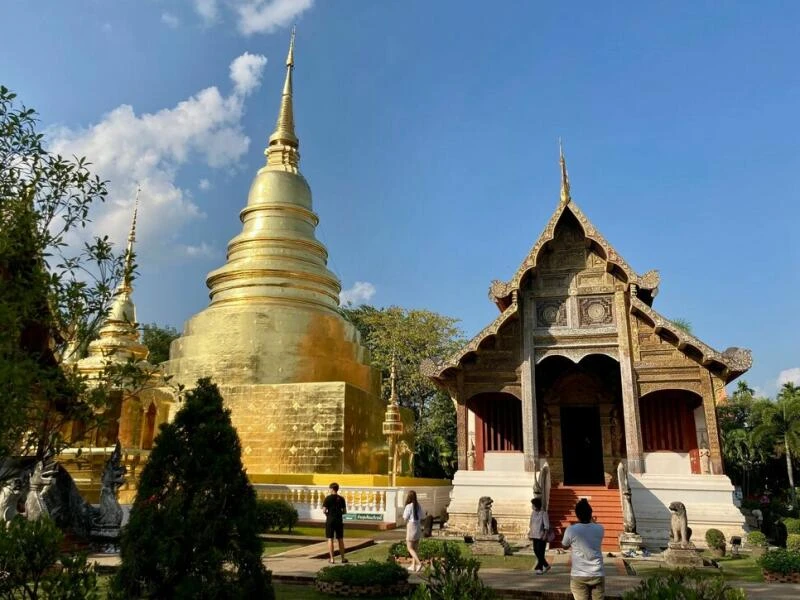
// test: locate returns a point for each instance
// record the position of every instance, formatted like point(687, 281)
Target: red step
point(606, 510)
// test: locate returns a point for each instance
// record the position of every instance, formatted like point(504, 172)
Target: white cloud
point(265, 16)
point(254, 16)
point(107, 28)
point(204, 184)
point(246, 72)
point(201, 250)
point(361, 292)
point(149, 150)
point(170, 20)
point(789, 376)
point(207, 9)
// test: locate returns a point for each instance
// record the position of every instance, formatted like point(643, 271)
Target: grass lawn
point(732, 569)
point(286, 591)
point(273, 548)
point(380, 552)
point(315, 531)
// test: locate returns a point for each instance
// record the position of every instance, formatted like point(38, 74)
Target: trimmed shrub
point(684, 583)
point(780, 561)
point(452, 577)
point(275, 515)
point(793, 542)
point(371, 572)
point(428, 549)
point(756, 539)
point(792, 525)
point(715, 539)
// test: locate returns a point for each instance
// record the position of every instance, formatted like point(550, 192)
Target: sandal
point(344, 560)
point(330, 561)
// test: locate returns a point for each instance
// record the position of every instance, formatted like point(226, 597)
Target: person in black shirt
point(334, 507)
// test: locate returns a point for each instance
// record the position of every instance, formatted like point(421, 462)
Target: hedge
point(781, 561)
point(684, 583)
point(275, 515)
point(428, 549)
point(793, 542)
point(756, 538)
point(371, 572)
point(715, 539)
point(792, 525)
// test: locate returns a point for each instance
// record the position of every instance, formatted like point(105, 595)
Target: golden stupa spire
point(128, 273)
point(282, 151)
point(565, 196)
point(393, 382)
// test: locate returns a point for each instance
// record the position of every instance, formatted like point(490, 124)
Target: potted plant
point(716, 542)
point(757, 542)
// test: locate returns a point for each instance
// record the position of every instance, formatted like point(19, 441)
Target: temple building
point(577, 373)
point(302, 393)
point(135, 412)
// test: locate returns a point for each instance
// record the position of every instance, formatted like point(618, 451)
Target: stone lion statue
point(679, 524)
point(485, 515)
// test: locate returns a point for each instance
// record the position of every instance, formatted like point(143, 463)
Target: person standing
point(587, 578)
point(539, 528)
point(334, 507)
point(412, 513)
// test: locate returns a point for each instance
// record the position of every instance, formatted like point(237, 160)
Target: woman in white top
point(412, 514)
point(537, 533)
point(587, 578)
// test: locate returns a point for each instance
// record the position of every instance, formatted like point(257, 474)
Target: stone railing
point(364, 504)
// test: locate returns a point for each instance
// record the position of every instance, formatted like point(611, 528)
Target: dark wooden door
point(582, 445)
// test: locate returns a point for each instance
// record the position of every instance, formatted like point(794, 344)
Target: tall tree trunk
point(789, 469)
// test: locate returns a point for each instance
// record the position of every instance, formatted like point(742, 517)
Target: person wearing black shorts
point(334, 507)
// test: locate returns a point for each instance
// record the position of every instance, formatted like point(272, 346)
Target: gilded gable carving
point(596, 311)
point(551, 313)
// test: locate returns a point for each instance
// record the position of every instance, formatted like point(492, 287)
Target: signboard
point(363, 516)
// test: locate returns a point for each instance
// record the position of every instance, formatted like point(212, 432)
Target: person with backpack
point(334, 507)
point(539, 534)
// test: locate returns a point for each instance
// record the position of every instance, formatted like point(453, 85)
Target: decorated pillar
point(530, 426)
point(630, 395)
point(710, 409)
point(462, 423)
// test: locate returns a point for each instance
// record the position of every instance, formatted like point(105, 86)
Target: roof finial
point(128, 273)
point(282, 151)
point(565, 196)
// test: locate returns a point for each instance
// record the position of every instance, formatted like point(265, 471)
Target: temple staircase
point(606, 509)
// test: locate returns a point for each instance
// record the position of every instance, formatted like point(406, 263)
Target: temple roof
point(643, 288)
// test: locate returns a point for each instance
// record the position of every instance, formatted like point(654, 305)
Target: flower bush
point(793, 542)
point(781, 561)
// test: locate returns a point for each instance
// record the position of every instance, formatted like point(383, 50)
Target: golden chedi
point(299, 384)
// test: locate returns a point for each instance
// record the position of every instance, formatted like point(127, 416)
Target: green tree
point(192, 530)
point(51, 294)
point(158, 339)
point(409, 337)
point(781, 424)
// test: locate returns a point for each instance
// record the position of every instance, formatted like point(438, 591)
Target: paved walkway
point(291, 568)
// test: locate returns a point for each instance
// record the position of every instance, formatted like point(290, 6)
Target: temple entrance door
point(582, 445)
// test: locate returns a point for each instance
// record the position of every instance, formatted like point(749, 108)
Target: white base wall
point(708, 500)
point(511, 491)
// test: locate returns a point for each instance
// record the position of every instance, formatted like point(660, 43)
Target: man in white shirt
point(587, 578)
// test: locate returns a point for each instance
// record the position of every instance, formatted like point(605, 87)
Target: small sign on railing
point(363, 516)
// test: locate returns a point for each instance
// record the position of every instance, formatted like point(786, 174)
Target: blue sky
point(429, 137)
